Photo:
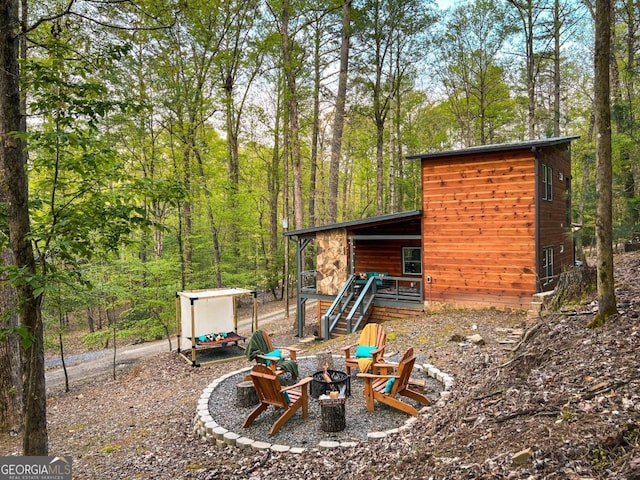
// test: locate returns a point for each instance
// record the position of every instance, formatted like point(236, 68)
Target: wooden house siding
point(479, 221)
point(554, 224)
point(381, 255)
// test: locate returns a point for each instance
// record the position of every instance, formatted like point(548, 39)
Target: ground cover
point(559, 401)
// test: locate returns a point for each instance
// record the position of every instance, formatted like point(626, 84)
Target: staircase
point(340, 328)
point(350, 310)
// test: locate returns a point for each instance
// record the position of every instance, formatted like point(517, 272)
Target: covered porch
point(360, 271)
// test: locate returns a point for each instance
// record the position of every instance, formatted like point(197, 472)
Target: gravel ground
point(307, 433)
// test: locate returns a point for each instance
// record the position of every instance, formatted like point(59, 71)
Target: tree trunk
point(338, 121)
point(556, 68)
point(315, 133)
point(15, 189)
point(274, 195)
point(215, 240)
point(233, 166)
point(604, 176)
point(10, 368)
point(531, 76)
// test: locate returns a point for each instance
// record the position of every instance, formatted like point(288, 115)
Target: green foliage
point(129, 137)
point(615, 448)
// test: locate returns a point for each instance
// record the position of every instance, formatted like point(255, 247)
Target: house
point(494, 230)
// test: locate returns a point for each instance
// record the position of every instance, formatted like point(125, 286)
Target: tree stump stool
point(324, 358)
point(333, 414)
point(246, 395)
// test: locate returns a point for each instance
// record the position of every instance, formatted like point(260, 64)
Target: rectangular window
point(547, 182)
point(547, 265)
point(411, 261)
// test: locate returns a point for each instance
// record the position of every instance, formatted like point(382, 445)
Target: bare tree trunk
point(315, 133)
point(531, 77)
point(526, 11)
point(217, 255)
point(338, 121)
point(187, 220)
point(274, 194)
point(556, 68)
point(10, 368)
point(15, 189)
point(289, 64)
point(379, 167)
point(604, 176)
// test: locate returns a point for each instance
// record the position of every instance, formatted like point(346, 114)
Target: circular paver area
point(210, 428)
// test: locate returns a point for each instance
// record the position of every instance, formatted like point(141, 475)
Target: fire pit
point(340, 382)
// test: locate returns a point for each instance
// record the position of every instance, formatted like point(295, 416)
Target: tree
point(10, 372)
point(604, 185)
point(531, 13)
point(388, 32)
point(338, 119)
point(15, 188)
point(472, 72)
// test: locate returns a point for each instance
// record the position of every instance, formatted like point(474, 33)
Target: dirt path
point(100, 363)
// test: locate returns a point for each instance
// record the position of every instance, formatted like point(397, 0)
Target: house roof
point(527, 144)
point(363, 222)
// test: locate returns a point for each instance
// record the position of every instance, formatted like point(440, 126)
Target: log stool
point(333, 414)
point(246, 395)
point(324, 358)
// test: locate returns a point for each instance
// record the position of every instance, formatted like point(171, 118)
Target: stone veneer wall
point(332, 261)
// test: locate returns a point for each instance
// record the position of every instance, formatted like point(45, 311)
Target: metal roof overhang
point(363, 222)
point(527, 144)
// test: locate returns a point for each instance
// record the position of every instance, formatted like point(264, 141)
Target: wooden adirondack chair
point(270, 392)
point(376, 387)
point(260, 346)
point(372, 338)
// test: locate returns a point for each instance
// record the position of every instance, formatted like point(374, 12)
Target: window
point(547, 182)
point(547, 265)
point(411, 261)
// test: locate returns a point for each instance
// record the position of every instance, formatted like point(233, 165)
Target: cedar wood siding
point(479, 228)
point(381, 256)
point(554, 224)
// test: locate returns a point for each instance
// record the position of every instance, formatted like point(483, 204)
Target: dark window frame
point(547, 265)
point(417, 263)
point(547, 182)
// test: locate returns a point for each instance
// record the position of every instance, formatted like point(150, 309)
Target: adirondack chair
point(369, 349)
point(261, 350)
point(270, 392)
point(385, 388)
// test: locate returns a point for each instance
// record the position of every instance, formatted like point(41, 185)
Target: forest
point(169, 144)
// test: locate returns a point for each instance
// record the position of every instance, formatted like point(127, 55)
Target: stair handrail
point(329, 321)
point(369, 287)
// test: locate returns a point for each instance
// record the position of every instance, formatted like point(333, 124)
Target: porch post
point(299, 303)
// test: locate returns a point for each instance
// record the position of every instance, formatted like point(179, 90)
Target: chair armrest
point(377, 350)
point(266, 357)
point(385, 365)
point(383, 368)
point(347, 349)
point(301, 383)
point(293, 351)
point(374, 375)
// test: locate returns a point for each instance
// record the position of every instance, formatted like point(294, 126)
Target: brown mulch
point(541, 398)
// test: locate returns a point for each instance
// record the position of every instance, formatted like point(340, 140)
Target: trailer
point(209, 319)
